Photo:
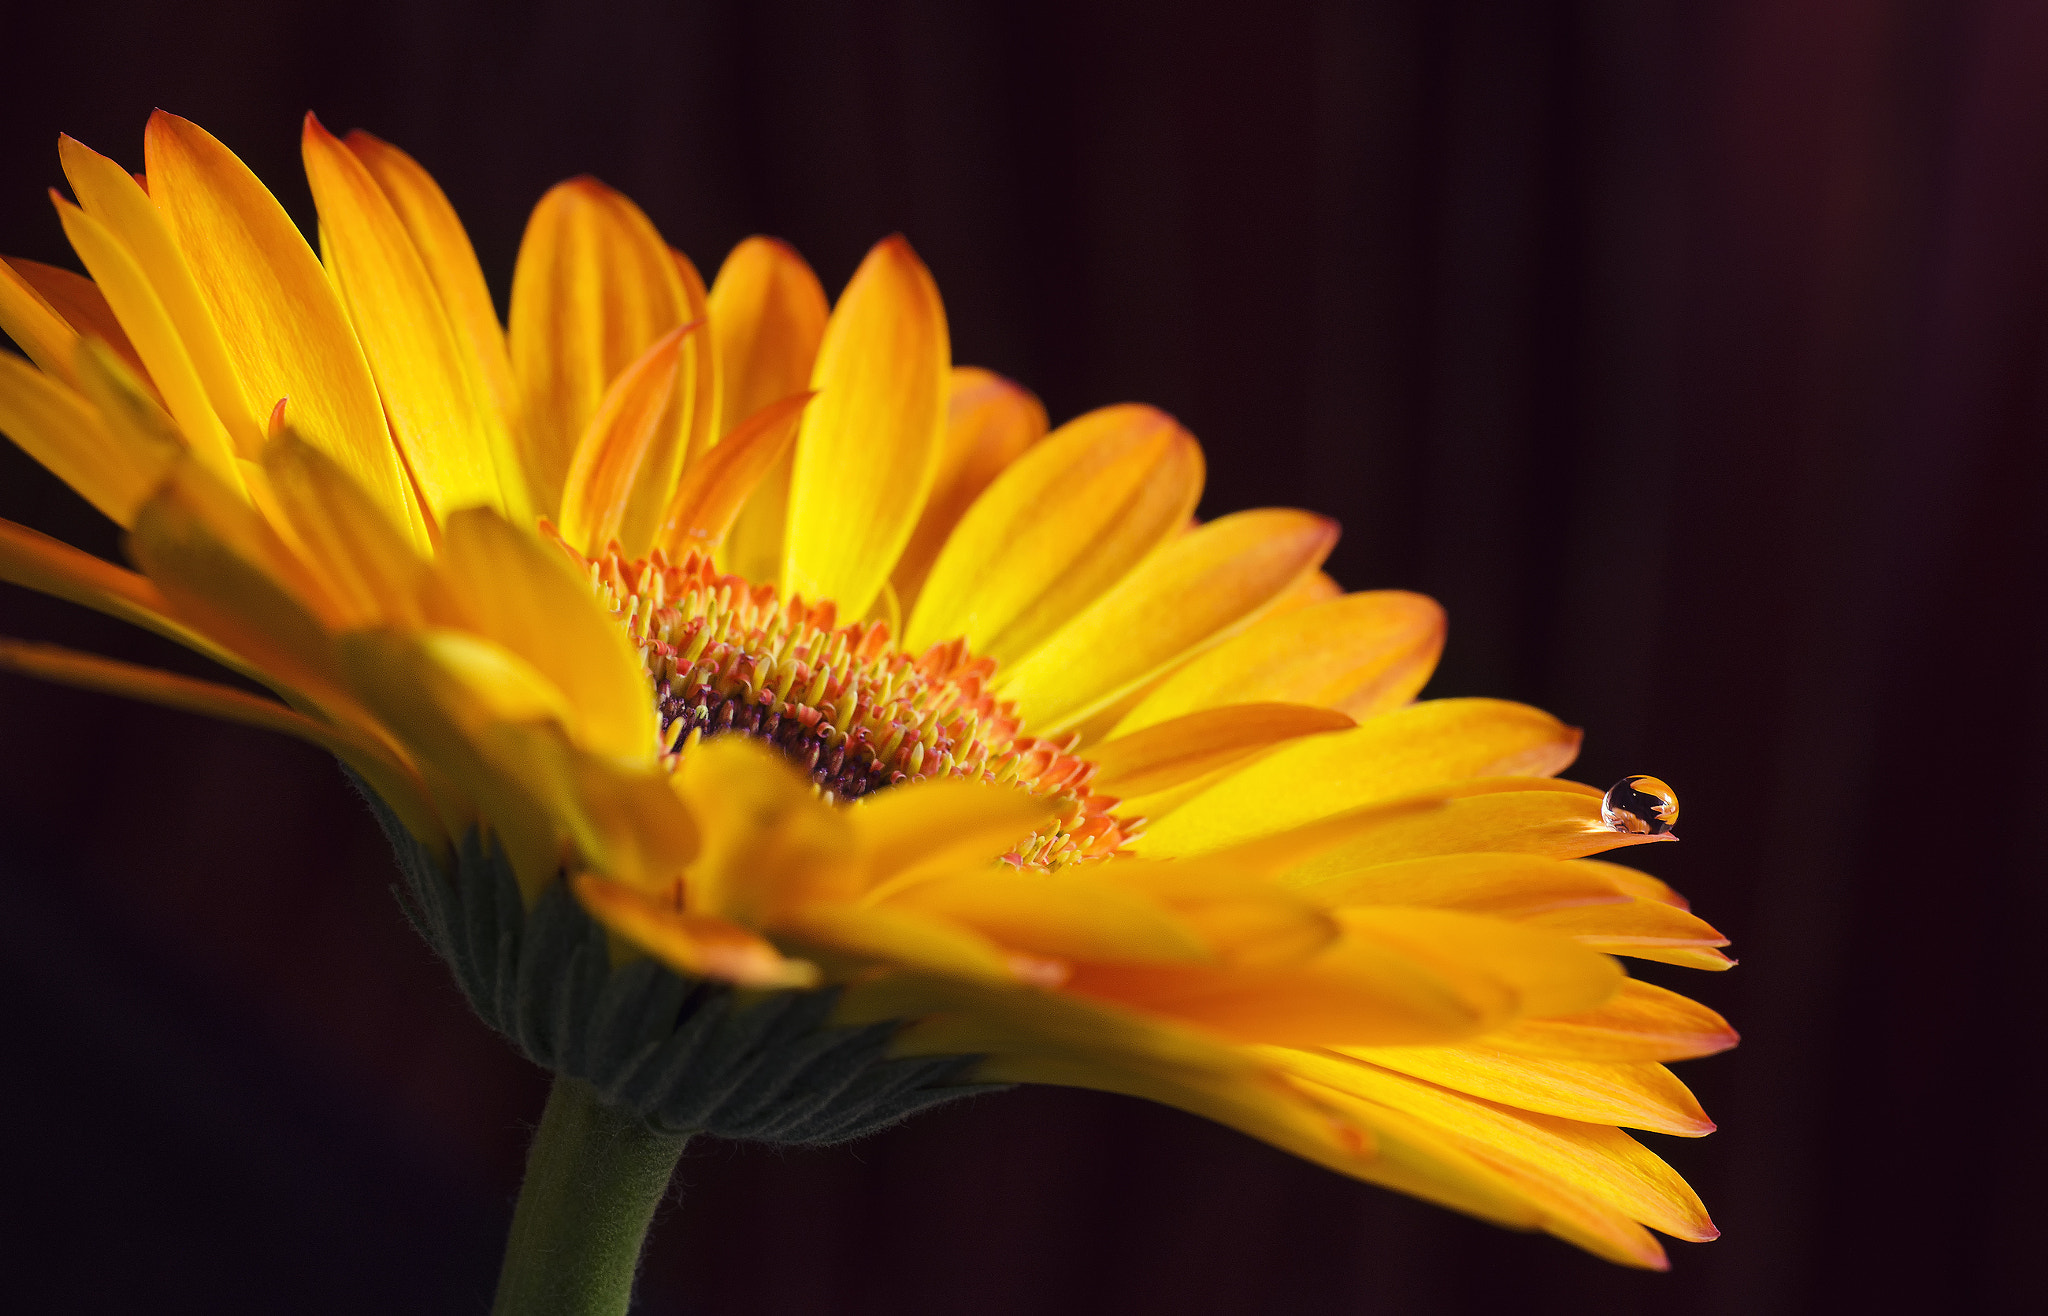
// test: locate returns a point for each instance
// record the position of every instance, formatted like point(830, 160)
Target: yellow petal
point(392, 778)
point(1361, 654)
point(1536, 973)
point(1635, 1095)
point(134, 298)
point(1244, 922)
point(941, 824)
point(1513, 815)
point(769, 843)
point(1503, 885)
point(1067, 915)
point(116, 200)
point(1642, 1022)
point(113, 468)
point(869, 444)
point(617, 445)
point(443, 247)
point(439, 408)
point(1386, 757)
point(594, 287)
point(286, 333)
point(694, 944)
point(1196, 591)
point(716, 485)
point(1169, 753)
point(33, 323)
point(502, 582)
point(767, 314)
point(989, 423)
point(1057, 529)
point(79, 302)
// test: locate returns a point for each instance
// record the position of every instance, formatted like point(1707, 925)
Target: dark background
point(1692, 354)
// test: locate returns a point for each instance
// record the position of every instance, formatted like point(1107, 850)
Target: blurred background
point(1693, 354)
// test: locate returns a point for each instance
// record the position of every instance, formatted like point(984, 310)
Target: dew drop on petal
point(1644, 806)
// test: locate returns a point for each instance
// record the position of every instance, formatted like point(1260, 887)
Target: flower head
point(815, 669)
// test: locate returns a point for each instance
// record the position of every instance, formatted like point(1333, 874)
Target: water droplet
point(1641, 805)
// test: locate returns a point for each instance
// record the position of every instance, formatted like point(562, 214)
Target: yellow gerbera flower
point(811, 664)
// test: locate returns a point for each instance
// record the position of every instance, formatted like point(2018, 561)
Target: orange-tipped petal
point(594, 287)
point(280, 316)
point(989, 423)
point(454, 440)
point(1642, 1022)
point(714, 487)
point(444, 248)
point(768, 315)
point(120, 202)
point(1059, 528)
point(617, 444)
point(869, 444)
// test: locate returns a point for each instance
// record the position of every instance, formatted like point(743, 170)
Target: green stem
point(593, 1179)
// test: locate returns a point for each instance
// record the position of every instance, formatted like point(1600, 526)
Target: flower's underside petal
point(1635, 1095)
point(1168, 753)
point(35, 561)
point(696, 945)
point(616, 447)
point(593, 288)
point(1064, 915)
point(1384, 758)
point(444, 249)
point(1195, 591)
point(436, 714)
point(1361, 654)
point(394, 780)
point(440, 412)
point(114, 199)
point(989, 423)
point(227, 573)
point(715, 486)
point(940, 825)
point(1643, 929)
point(853, 935)
point(281, 318)
point(113, 467)
point(1642, 1022)
point(132, 295)
point(768, 315)
point(1510, 815)
point(1057, 529)
point(869, 443)
point(1592, 1184)
point(505, 584)
point(77, 301)
point(365, 564)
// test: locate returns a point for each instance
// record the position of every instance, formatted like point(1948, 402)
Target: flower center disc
point(841, 702)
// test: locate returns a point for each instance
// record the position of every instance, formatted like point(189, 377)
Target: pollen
point(842, 702)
